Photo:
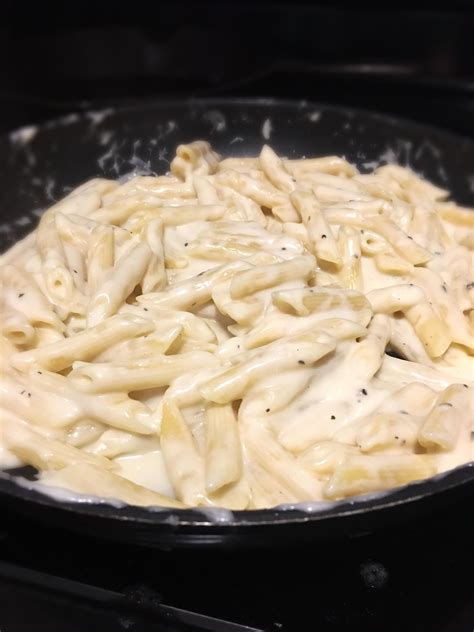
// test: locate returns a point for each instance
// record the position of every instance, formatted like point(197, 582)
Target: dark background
point(411, 59)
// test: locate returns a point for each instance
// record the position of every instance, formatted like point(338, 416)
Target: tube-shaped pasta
point(197, 157)
point(363, 474)
point(263, 277)
point(440, 430)
point(326, 456)
point(431, 330)
point(331, 195)
point(386, 431)
point(192, 292)
point(100, 256)
point(402, 243)
point(85, 345)
point(409, 180)
point(152, 372)
point(303, 349)
point(175, 215)
point(275, 326)
point(156, 343)
point(223, 448)
point(118, 410)
point(327, 164)
point(205, 191)
point(114, 443)
point(366, 356)
point(319, 232)
point(37, 401)
point(349, 245)
point(183, 462)
point(273, 168)
point(390, 263)
point(88, 479)
point(44, 453)
point(261, 192)
point(125, 276)
point(16, 328)
point(395, 298)
point(155, 276)
point(57, 277)
point(281, 465)
point(334, 302)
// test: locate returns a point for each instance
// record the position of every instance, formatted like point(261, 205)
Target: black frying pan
point(38, 166)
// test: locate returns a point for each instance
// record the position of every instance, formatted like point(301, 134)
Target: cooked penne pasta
point(185, 465)
point(319, 232)
point(223, 450)
point(224, 335)
point(85, 345)
point(119, 284)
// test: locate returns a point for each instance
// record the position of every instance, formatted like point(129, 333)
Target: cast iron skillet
point(39, 165)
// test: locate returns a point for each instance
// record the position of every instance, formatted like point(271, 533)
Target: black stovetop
point(414, 577)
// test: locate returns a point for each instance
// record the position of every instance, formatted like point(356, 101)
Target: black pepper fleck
point(145, 309)
point(470, 285)
point(40, 372)
point(397, 437)
point(22, 392)
point(267, 410)
point(444, 288)
point(362, 231)
point(410, 237)
point(403, 412)
point(465, 386)
point(323, 236)
point(29, 394)
point(301, 362)
point(283, 248)
point(186, 244)
point(75, 271)
point(356, 256)
point(364, 391)
point(333, 417)
point(20, 295)
point(447, 404)
point(201, 273)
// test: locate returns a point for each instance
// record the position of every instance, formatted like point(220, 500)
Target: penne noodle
point(319, 232)
point(83, 346)
point(185, 466)
point(88, 479)
point(152, 372)
point(263, 277)
point(223, 449)
point(117, 287)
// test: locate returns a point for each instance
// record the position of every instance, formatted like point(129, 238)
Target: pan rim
point(262, 101)
point(210, 517)
point(199, 518)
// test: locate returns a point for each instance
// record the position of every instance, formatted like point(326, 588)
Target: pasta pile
point(219, 335)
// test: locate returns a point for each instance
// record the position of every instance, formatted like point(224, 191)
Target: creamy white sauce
point(287, 405)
